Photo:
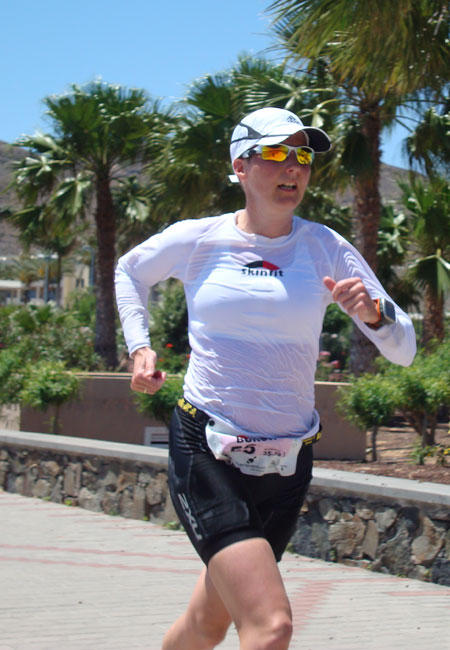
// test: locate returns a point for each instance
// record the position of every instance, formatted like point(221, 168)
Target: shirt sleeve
point(396, 342)
point(161, 256)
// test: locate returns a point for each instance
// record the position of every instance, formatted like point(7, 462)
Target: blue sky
point(160, 46)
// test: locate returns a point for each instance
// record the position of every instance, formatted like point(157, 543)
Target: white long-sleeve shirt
point(256, 306)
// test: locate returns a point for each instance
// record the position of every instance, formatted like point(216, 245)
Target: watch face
point(388, 310)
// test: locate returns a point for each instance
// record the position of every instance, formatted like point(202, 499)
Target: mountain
point(389, 189)
point(9, 244)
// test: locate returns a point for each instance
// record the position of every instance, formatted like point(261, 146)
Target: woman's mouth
point(290, 187)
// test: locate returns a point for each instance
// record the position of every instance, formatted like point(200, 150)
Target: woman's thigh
point(247, 577)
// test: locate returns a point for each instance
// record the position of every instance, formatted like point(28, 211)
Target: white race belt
point(258, 455)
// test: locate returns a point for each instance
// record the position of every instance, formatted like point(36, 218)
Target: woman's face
point(279, 186)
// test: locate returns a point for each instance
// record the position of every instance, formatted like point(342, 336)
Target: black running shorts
point(217, 504)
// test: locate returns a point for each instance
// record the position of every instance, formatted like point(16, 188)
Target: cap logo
point(291, 118)
point(252, 134)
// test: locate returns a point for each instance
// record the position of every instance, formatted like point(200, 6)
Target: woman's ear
point(238, 166)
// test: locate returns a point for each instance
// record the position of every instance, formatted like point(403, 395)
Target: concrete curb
point(387, 487)
point(85, 446)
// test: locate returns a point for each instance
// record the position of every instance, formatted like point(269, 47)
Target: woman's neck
point(268, 226)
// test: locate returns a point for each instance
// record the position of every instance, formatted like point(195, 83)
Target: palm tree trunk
point(433, 318)
point(105, 328)
point(362, 353)
point(367, 201)
point(366, 220)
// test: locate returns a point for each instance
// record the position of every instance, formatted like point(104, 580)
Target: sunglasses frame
point(258, 150)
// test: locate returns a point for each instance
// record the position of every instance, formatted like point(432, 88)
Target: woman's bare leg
point(242, 584)
point(205, 622)
point(248, 580)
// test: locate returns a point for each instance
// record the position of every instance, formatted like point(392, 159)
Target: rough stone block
point(447, 545)
point(125, 480)
point(3, 473)
point(110, 480)
point(346, 535)
point(15, 483)
point(89, 500)
point(371, 540)
point(428, 544)
point(72, 479)
point(385, 518)
point(93, 465)
point(145, 477)
point(51, 468)
point(157, 491)
point(126, 504)
point(141, 508)
point(395, 554)
point(42, 488)
point(111, 503)
point(328, 510)
point(440, 572)
point(311, 536)
point(166, 514)
point(363, 511)
point(56, 493)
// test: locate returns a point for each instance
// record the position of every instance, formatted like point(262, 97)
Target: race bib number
point(254, 455)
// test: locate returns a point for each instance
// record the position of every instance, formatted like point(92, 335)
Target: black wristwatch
point(386, 313)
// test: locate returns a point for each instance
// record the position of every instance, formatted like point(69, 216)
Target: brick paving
point(71, 579)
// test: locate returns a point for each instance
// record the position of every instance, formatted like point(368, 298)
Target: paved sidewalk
point(71, 579)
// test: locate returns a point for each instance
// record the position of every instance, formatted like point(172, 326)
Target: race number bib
point(255, 455)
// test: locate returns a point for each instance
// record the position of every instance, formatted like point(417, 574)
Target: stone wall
point(385, 524)
point(129, 485)
point(406, 540)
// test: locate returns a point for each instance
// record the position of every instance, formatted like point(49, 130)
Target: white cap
point(272, 126)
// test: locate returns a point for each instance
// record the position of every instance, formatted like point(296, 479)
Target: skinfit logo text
point(262, 268)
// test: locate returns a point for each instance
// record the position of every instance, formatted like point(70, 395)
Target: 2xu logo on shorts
point(190, 516)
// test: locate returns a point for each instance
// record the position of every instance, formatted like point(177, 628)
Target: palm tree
point(99, 130)
point(429, 207)
point(394, 240)
point(27, 270)
point(429, 144)
point(190, 176)
point(39, 226)
point(379, 58)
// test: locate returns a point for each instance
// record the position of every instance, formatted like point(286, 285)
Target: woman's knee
point(274, 634)
point(279, 632)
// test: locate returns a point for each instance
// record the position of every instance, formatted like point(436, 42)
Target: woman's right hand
point(146, 379)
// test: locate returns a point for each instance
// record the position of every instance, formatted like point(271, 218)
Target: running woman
point(257, 285)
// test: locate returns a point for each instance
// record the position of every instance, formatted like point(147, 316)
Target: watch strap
point(380, 321)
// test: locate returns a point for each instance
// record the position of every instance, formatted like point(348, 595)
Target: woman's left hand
point(353, 296)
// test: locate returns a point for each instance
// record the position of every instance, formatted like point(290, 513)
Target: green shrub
point(369, 403)
point(161, 404)
point(422, 390)
point(48, 333)
point(82, 304)
point(418, 392)
point(170, 320)
point(48, 384)
point(12, 374)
